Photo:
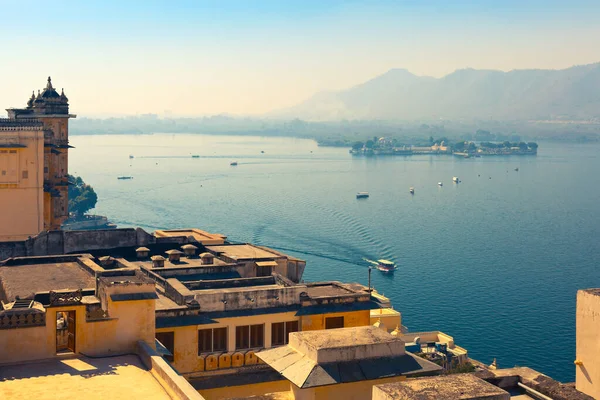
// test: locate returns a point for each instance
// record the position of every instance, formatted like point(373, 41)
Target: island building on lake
point(388, 147)
point(186, 314)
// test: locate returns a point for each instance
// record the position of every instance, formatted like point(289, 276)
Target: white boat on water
point(362, 195)
point(455, 179)
point(440, 183)
point(411, 190)
point(383, 265)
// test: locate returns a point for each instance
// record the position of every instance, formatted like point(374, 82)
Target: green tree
point(459, 146)
point(357, 145)
point(369, 144)
point(82, 197)
point(532, 145)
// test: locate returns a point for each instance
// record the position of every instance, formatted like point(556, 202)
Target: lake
point(495, 261)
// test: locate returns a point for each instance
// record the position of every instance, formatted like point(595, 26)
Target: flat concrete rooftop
point(243, 251)
point(344, 337)
point(26, 279)
point(328, 290)
point(449, 387)
point(121, 377)
point(199, 235)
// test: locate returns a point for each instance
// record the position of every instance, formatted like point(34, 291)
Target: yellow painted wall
point(186, 358)
point(23, 195)
point(390, 318)
point(130, 321)
point(587, 375)
point(351, 319)
point(347, 391)
point(246, 390)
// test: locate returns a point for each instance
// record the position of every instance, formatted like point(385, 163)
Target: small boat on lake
point(131, 156)
point(362, 195)
point(386, 266)
point(233, 163)
point(440, 183)
point(455, 179)
point(383, 265)
point(517, 169)
point(124, 177)
point(195, 156)
point(411, 190)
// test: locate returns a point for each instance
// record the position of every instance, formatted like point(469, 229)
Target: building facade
point(34, 145)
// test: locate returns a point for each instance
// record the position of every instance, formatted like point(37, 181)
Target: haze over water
point(496, 263)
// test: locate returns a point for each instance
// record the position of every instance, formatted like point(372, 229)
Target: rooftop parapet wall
point(65, 242)
point(248, 298)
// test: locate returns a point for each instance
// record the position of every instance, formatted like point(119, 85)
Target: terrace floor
point(122, 377)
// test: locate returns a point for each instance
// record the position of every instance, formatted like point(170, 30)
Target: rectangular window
point(167, 339)
point(25, 174)
point(45, 170)
point(212, 340)
point(280, 332)
point(334, 322)
point(205, 343)
point(12, 152)
point(247, 337)
point(220, 339)
point(242, 337)
point(290, 326)
point(257, 336)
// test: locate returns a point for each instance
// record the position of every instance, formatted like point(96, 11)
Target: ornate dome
point(49, 92)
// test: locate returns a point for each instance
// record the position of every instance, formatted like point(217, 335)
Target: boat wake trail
point(320, 255)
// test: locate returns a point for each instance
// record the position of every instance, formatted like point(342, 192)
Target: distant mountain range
point(569, 94)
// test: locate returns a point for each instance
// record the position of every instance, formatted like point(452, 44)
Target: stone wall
point(64, 242)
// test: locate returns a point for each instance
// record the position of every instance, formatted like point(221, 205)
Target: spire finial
point(49, 85)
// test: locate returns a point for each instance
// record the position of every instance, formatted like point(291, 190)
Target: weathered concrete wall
point(587, 374)
point(219, 300)
point(75, 241)
point(62, 242)
point(12, 249)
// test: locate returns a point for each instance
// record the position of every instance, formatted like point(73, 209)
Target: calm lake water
point(494, 261)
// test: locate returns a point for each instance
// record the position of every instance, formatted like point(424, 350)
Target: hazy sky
point(250, 57)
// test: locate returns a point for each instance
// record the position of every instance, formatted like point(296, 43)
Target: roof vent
point(174, 255)
point(189, 250)
point(142, 252)
point(158, 261)
point(107, 261)
point(207, 258)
